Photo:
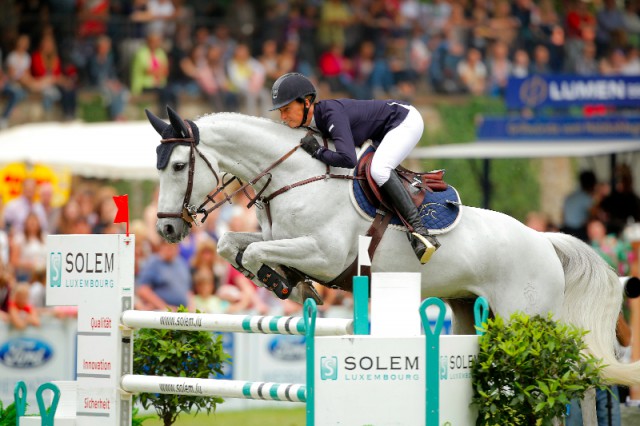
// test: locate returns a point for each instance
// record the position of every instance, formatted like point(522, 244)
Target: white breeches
point(396, 146)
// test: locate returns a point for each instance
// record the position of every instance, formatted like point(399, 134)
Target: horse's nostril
point(169, 230)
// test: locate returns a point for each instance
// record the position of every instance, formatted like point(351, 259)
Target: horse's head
point(186, 175)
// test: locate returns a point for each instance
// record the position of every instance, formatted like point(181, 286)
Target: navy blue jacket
point(350, 123)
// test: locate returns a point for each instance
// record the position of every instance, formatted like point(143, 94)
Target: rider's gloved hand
point(311, 145)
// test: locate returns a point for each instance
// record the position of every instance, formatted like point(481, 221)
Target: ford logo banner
point(288, 348)
point(25, 352)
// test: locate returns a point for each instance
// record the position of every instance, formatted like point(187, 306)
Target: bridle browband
point(190, 212)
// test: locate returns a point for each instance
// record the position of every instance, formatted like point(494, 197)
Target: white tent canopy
point(127, 150)
point(101, 150)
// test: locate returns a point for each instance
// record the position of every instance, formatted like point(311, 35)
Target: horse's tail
point(592, 302)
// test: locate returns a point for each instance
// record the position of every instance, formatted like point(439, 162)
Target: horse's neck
point(245, 146)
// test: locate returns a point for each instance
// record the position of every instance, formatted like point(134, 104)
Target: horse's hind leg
point(462, 318)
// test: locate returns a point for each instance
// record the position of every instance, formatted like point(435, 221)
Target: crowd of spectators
point(229, 53)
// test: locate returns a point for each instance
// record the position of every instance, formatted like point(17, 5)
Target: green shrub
point(529, 369)
point(178, 353)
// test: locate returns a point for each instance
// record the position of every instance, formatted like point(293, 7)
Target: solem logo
point(328, 368)
point(444, 368)
point(288, 348)
point(55, 269)
point(25, 352)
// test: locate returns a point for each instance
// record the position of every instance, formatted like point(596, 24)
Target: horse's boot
point(274, 282)
point(423, 243)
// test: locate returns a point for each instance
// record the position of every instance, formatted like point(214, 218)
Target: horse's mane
point(250, 119)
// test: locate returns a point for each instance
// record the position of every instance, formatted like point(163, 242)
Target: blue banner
point(515, 128)
point(566, 90)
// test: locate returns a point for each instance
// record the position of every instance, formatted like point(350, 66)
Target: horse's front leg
point(232, 243)
point(302, 253)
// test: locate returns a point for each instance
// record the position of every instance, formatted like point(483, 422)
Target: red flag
point(122, 215)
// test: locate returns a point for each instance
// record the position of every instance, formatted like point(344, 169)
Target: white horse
point(314, 228)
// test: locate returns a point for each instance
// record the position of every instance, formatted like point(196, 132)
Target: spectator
point(150, 70)
point(622, 205)
point(578, 16)
point(247, 77)
point(241, 16)
point(631, 19)
point(543, 19)
point(538, 221)
point(17, 80)
point(578, 206)
point(6, 284)
point(205, 298)
point(499, 69)
point(17, 210)
point(55, 80)
point(540, 64)
point(47, 193)
point(610, 26)
point(556, 49)
point(164, 281)
point(269, 60)
point(162, 16)
point(613, 63)
point(21, 313)
point(242, 292)
point(586, 64)
point(520, 63)
point(223, 99)
point(102, 74)
point(332, 68)
point(28, 250)
point(614, 250)
point(473, 72)
point(37, 289)
point(335, 16)
point(632, 63)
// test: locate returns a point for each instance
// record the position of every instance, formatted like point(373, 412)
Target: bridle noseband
point(189, 212)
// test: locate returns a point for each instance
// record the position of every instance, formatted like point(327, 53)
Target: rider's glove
point(311, 145)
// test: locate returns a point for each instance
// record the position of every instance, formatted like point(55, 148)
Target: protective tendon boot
point(424, 244)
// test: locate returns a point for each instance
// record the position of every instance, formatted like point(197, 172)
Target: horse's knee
point(251, 259)
point(226, 248)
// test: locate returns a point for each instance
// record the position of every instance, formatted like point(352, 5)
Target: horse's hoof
point(303, 291)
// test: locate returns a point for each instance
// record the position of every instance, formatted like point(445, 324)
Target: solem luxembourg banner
point(556, 128)
point(566, 90)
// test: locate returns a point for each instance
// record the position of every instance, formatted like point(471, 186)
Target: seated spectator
point(613, 249)
point(212, 300)
point(102, 74)
point(444, 66)
point(224, 99)
point(28, 250)
point(540, 64)
point(164, 281)
point(21, 313)
point(150, 70)
point(499, 69)
point(473, 72)
point(53, 79)
point(622, 205)
point(632, 65)
point(556, 47)
point(520, 64)
point(613, 63)
point(538, 221)
point(17, 80)
point(247, 77)
point(17, 210)
point(586, 64)
point(332, 67)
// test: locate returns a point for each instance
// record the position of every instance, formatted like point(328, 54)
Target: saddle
point(415, 183)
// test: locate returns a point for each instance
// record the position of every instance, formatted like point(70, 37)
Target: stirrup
point(429, 245)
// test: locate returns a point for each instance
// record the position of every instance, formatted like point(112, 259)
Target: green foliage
point(137, 419)
point(514, 186)
point(178, 353)
point(529, 369)
point(8, 415)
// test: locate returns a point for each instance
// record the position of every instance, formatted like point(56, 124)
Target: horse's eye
point(178, 167)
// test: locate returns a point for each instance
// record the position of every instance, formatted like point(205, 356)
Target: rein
point(190, 212)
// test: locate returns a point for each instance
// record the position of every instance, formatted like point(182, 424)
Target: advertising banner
point(566, 90)
point(95, 272)
point(558, 128)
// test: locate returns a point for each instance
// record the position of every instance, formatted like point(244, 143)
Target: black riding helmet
point(291, 87)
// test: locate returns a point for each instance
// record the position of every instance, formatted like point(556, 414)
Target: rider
point(394, 127)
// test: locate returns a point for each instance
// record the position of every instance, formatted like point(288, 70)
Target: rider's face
point(292, 113)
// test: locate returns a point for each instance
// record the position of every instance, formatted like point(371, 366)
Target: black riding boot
point(424, 244)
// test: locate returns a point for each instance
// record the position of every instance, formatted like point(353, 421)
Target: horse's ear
point(177, 123)
point(156, 122)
